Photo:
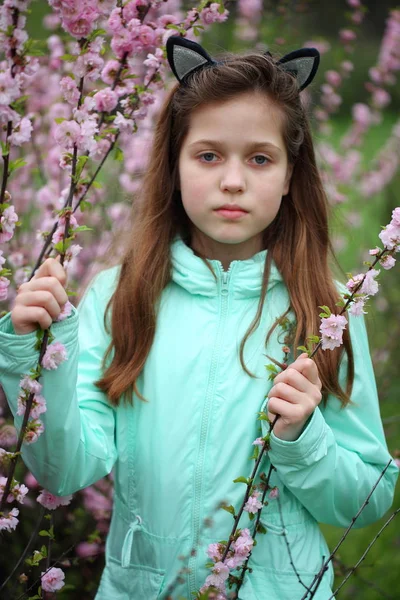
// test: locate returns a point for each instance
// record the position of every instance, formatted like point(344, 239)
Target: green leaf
point(44, 533)
point(118, 154)
point(261, 528)
point(5, 149)
point(272, 367)
point(85, 205)
point(69, 57)
point(302, 348)
point(97, 185)
point(83, 228)
point(16, 164)
point(255, 454)
point(251, 516)
point(229, 509)
point(262, 416)
point(59, 120)
point(241, 479)
point(326, 309)
point(314, 338)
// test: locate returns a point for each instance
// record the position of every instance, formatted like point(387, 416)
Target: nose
point(233, 177)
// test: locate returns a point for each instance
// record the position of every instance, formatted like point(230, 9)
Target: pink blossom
point(220, 574)
point(354, 3)
point(147, 36)
point(52, 580)
point(2, 259)
point(362, 114)
point(356, 308)
point(211, 14)
point(54, 355)
point(258, 442)
point(84, 549)
point(374, 251)
point(33, 430)
point(69, 90)
point(396, 216)
point(370, 286)
point(244, 543)
point(274, 493)
point(347, 66)
point(347, 35)
point(30, 385)
point(65, 311)
point(123, 124)
point(10, 521)
point(89, 65)
point(333, 78)
point(387, 262)
point(51, 502)
point(4, 283)
point(253, 504)
point(110, 71)
point(106, 100)
point(215, 551)
point(67, 134)
point(381, 98)
point(114, 23)
point(331, 330)
point(37, 408)
point(21, 132)
point(82, 25)
point(17, 491)
point(390, 236)
point(8, 219)
point(9, 88)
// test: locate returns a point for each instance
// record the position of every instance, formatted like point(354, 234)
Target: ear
point(303, 64)
point(186, 57)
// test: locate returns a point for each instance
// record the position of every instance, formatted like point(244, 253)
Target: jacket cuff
point(22, 346)
point(302, 450)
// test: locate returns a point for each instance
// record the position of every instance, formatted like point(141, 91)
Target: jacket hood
point(190, 272)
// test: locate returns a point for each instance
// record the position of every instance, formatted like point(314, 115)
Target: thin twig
point(396, 512)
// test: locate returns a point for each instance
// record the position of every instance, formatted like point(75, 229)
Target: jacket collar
point(245, 276)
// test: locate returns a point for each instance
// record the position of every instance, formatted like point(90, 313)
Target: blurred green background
point(379, 574)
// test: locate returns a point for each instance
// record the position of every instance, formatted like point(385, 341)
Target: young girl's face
point(234, 153)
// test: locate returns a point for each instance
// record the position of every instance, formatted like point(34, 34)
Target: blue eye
point(207, 154)
point(263, 157)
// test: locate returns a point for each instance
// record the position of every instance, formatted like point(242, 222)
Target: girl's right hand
point(40, 300)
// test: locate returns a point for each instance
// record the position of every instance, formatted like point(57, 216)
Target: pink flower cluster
point(78, 17)
point(35, 427)
point(51, 502)
point(331, 330)
point(238, 553)
point(17, 492)
point(52, 580)
point(390, 235)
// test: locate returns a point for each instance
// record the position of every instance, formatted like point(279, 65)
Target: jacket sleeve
point(333, 465)
point(77, 446)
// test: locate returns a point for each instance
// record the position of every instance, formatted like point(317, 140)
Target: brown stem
point(26, 549)
point(396, 512)
point(318, 578)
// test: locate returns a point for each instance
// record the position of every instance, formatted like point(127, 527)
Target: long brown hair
point(297, 240)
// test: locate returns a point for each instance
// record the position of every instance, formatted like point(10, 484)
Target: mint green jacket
point(175, 457)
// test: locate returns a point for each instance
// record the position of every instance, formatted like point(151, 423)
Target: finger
point(41, 299)
point(28, 315)
point(286, 392)
point(50, 284)
point(307, 366)
point(296, 379)
point(52, 268)
point(289, 412)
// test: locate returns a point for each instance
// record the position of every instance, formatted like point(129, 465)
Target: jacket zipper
point(224, 290)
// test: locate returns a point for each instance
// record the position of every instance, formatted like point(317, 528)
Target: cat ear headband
point(185, 57)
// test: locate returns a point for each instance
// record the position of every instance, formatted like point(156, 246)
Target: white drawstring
point(127, 545)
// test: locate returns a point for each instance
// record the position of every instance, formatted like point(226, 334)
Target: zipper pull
point(224, 286)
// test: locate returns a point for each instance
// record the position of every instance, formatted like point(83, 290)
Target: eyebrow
point(250, 145)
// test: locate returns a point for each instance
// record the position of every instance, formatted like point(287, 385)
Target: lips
point(233, 207)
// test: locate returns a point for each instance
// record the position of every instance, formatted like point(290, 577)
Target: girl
point(167, 351)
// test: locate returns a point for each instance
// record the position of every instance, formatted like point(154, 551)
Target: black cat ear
point(303, 64)
point(185, 57)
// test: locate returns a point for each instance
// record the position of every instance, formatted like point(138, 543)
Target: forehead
point(242, 117)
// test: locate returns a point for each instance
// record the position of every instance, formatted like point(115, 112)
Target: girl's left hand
point(294, 396)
